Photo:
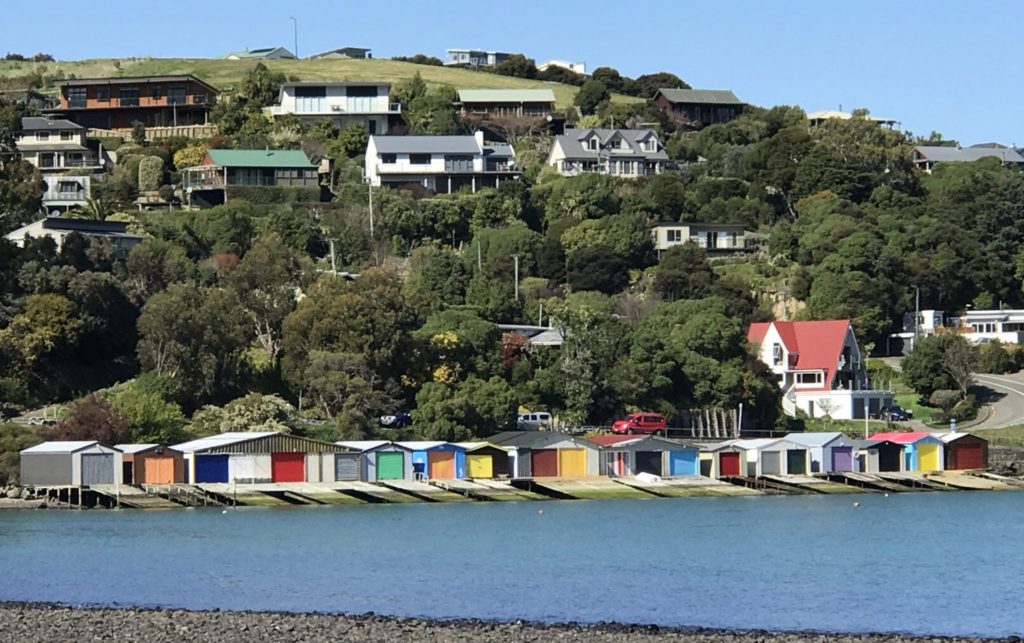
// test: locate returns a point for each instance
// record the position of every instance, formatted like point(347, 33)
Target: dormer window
point(593, 144)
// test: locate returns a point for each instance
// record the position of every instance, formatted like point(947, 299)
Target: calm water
point(926, 563)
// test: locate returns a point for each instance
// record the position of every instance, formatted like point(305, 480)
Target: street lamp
point(295, 29)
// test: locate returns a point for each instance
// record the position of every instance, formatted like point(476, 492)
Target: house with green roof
point(221, 169)
point(699, 107)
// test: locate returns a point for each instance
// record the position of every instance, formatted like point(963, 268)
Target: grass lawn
point(225, 74)
point(1013, 436)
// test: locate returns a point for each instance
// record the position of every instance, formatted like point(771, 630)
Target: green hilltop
point(225, 74)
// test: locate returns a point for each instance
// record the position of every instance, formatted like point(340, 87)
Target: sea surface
point(928, 563)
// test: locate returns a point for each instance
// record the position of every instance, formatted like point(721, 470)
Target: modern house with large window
point(343, 103)
point(57, 145)
point(57, 229)
point(538, 103)
point(475, 57)
point(819, 367)
point(154, 101)
point(439, 163)
point(625, 153)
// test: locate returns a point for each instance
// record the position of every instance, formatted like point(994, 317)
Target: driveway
point(1007, 407)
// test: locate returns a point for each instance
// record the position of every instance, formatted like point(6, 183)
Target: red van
point(641, 423)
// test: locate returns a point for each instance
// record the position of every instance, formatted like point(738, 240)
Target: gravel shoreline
point(28, 622)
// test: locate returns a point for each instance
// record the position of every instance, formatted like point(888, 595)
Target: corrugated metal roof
point(370, 445)
point(61, 446)
point(904, 437)
point(538, 439)
point(134, 448)
point(261, 158)
point(221, 440)
point(814, 439)
point(426, 144)
point(423, 445)
point(572, 144)
point(639, 443)
point(473, 446)
point(506, 96)
point(950, 436)
point(939, 154)
point(37, 123)
point(705, 96)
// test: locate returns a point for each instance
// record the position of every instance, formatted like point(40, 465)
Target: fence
point(158, 133)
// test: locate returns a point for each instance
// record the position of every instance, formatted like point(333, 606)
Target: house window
point(42, 136)
point(674, 236)
point(388, 159)
point(776, 354)
point(76, 96)
point(103, 94)
point(68, 187)
point(176, 95)
point(156, 92)
point(129, 97)
point(808, 378)
point(362, 90)
point(419, 159)
point(593, 143)
point(67, 136)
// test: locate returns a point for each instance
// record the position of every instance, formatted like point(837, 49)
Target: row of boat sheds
point(254, 457)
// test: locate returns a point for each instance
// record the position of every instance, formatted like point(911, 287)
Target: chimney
point(479, 136)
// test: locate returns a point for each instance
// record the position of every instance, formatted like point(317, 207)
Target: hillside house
point(825, 115)
point(699, 107)
point(154, 101)
point(925, 157)
point(57, 145)
point(116, 232)
point(713, 238)
point(342, 103)
point(263, 53)
point(343, 53)
point(64, 191)
point(439, 163)
point(475, 57)
point(625, 153)
point(819, 367)
point(578, 67)
point(506, 102)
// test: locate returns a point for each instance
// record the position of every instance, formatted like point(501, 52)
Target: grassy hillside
point(224, 74)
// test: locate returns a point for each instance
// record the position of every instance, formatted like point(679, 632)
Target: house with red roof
point(819, 367)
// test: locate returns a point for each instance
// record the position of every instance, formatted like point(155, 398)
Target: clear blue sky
point(933, 65)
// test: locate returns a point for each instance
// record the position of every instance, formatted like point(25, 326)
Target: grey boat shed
point(70, 463)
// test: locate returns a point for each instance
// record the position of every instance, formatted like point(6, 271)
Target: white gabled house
point(819, 367)
point(625, 153)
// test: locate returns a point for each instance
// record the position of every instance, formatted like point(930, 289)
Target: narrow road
point(1009, 409)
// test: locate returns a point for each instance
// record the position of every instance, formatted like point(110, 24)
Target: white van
point(538, 421)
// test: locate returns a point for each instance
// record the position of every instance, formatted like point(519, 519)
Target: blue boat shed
point(436, 460)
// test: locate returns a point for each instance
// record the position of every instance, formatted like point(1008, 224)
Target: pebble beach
point(26, 622)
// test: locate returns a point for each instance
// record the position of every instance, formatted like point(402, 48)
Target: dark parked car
point(396, 421)
point(893, 414)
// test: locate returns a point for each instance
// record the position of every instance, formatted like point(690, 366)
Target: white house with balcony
point(1005, 326)
point(343, 103)
point(819, 367)
point(64, 191)
point(714, 238)
point(57, 145)
point(439, 163)
point(625, 153)
point(475, 57)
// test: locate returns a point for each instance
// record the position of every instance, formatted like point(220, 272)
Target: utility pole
point(516, 258)
point(334, 261)
point(917, 315)
point(479, 256)
point(295, 25)
point(369, 188)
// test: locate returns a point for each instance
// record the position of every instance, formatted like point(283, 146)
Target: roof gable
point(817, 345)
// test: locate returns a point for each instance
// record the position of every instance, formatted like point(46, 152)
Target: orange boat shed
point(151, 464)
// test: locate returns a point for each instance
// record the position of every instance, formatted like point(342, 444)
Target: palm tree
point(94, 209)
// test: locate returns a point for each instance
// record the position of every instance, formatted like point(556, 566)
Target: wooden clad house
point(154, 101)
point(699, 107)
